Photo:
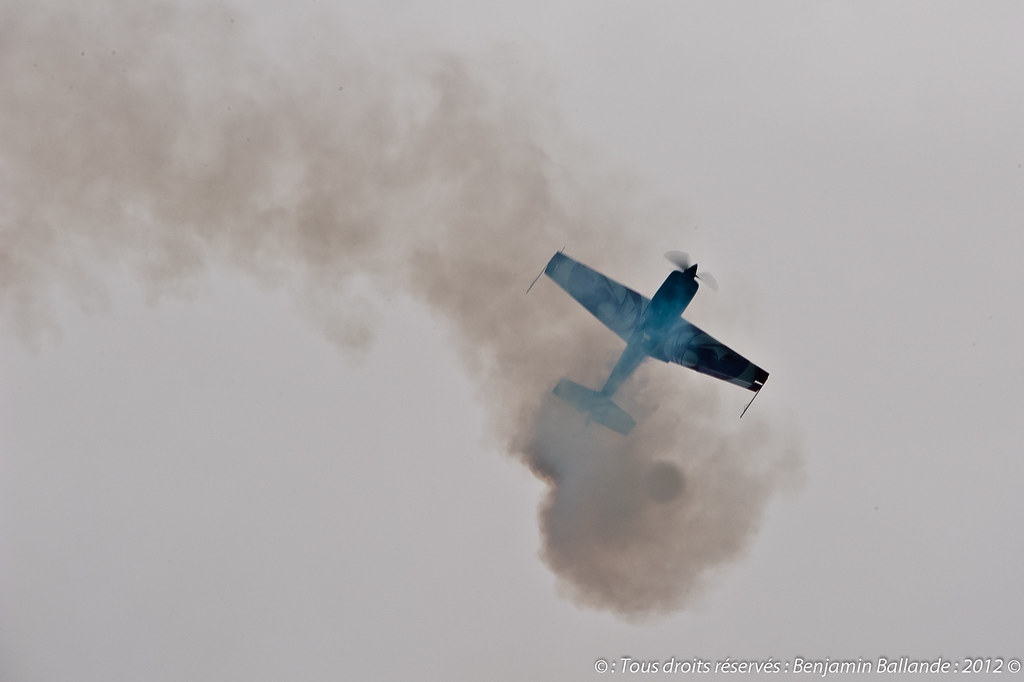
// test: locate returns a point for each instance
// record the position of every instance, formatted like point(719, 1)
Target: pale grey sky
point(196, 482)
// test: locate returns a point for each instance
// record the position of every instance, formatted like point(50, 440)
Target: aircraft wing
point(687, 345)
point(617, 306)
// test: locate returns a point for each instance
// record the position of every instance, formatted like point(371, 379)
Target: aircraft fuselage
point(667, 305)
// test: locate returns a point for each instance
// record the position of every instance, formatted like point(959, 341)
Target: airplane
point(651, 328)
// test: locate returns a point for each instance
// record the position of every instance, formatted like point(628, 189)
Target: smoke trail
point(158, 138)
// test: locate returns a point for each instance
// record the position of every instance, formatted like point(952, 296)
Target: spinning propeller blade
point(679, 259)
point(709, 280)
point(682, 261)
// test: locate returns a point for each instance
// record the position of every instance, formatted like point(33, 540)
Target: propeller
point(709, 280)
point(682, 261)
point(679, 259)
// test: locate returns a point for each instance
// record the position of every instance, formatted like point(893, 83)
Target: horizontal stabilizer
point(597, 406)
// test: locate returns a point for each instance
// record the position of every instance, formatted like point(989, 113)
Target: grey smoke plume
point(160, 139)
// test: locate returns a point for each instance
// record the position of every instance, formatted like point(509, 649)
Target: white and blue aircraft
point(651, 328)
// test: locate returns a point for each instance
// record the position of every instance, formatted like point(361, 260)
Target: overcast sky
point(214, 474)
